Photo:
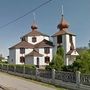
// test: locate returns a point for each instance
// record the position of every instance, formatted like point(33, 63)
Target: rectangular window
point(59, 39)
point(22, 50)
point(46, 50)
point(22, 59)
point(47, 59)
point(70, 38)
point(33, 39)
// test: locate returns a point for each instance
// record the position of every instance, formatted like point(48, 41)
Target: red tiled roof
point(35, 33)
point(43, 44)
point(22, 44)
point(62, 32)
point(71, 51)
point(34, 53)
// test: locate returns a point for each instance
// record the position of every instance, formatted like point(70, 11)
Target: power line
point(26, 14)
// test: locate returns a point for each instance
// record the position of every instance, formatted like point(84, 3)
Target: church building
point(65, 39)
point(36, 48)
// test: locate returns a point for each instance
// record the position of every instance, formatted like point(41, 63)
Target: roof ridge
point(18, 45)
point(34, 52)
point(35, 33)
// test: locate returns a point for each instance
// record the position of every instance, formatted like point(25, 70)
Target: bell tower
point(66, 39)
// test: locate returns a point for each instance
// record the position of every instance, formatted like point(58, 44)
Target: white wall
point(12, 56)
point(29, 60)
point(15, 55)
point(41, 50)
point(27, 51)
point(47, 38)
point(70, 59)
point(67, 47)
point(40, 60)
point(55, 45)
point(33, 60)
point(74, 41)
point(18, 56)
point(39, 39)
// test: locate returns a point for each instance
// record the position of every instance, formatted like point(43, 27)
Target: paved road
point(15, 83)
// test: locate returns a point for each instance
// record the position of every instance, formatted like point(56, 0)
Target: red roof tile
point(34, 53)
point(22, 44)
point(43, 44)
point(62, 32)
point(71, 51)
point(35, 33)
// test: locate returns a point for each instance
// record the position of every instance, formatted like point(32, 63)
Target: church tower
point(66, 39)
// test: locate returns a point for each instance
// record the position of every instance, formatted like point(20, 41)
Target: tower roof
point(34, 28)
point(35, 33)
point(63, 24)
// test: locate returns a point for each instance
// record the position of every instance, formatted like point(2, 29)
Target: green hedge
point(18, 68)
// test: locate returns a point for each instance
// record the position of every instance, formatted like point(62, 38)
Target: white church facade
point(36, 48)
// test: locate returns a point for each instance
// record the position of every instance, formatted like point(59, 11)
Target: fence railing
point(75, 78)
point(85, 79)
point(65, 76)
point(45, 74)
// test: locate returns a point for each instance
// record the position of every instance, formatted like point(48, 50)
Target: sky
point(76, 12)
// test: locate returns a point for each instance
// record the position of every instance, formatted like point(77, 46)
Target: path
point(15, 83)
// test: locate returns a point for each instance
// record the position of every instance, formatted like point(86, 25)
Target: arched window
point(34, 39)
point(47, 59)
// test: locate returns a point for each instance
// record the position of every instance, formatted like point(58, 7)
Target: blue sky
point(76, 12)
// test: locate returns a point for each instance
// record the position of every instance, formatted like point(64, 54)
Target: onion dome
point(63, 24)
point(34, 27)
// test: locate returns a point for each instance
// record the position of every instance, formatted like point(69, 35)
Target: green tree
point(57, 61)
point(83, 61)
point(81, 64)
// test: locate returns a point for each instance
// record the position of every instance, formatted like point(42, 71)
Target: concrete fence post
point(23, 69)
point(14, 68)
point(78, 78)
point(7, 68)
point(37, 72)
point(2, 68)
point(53, 75)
